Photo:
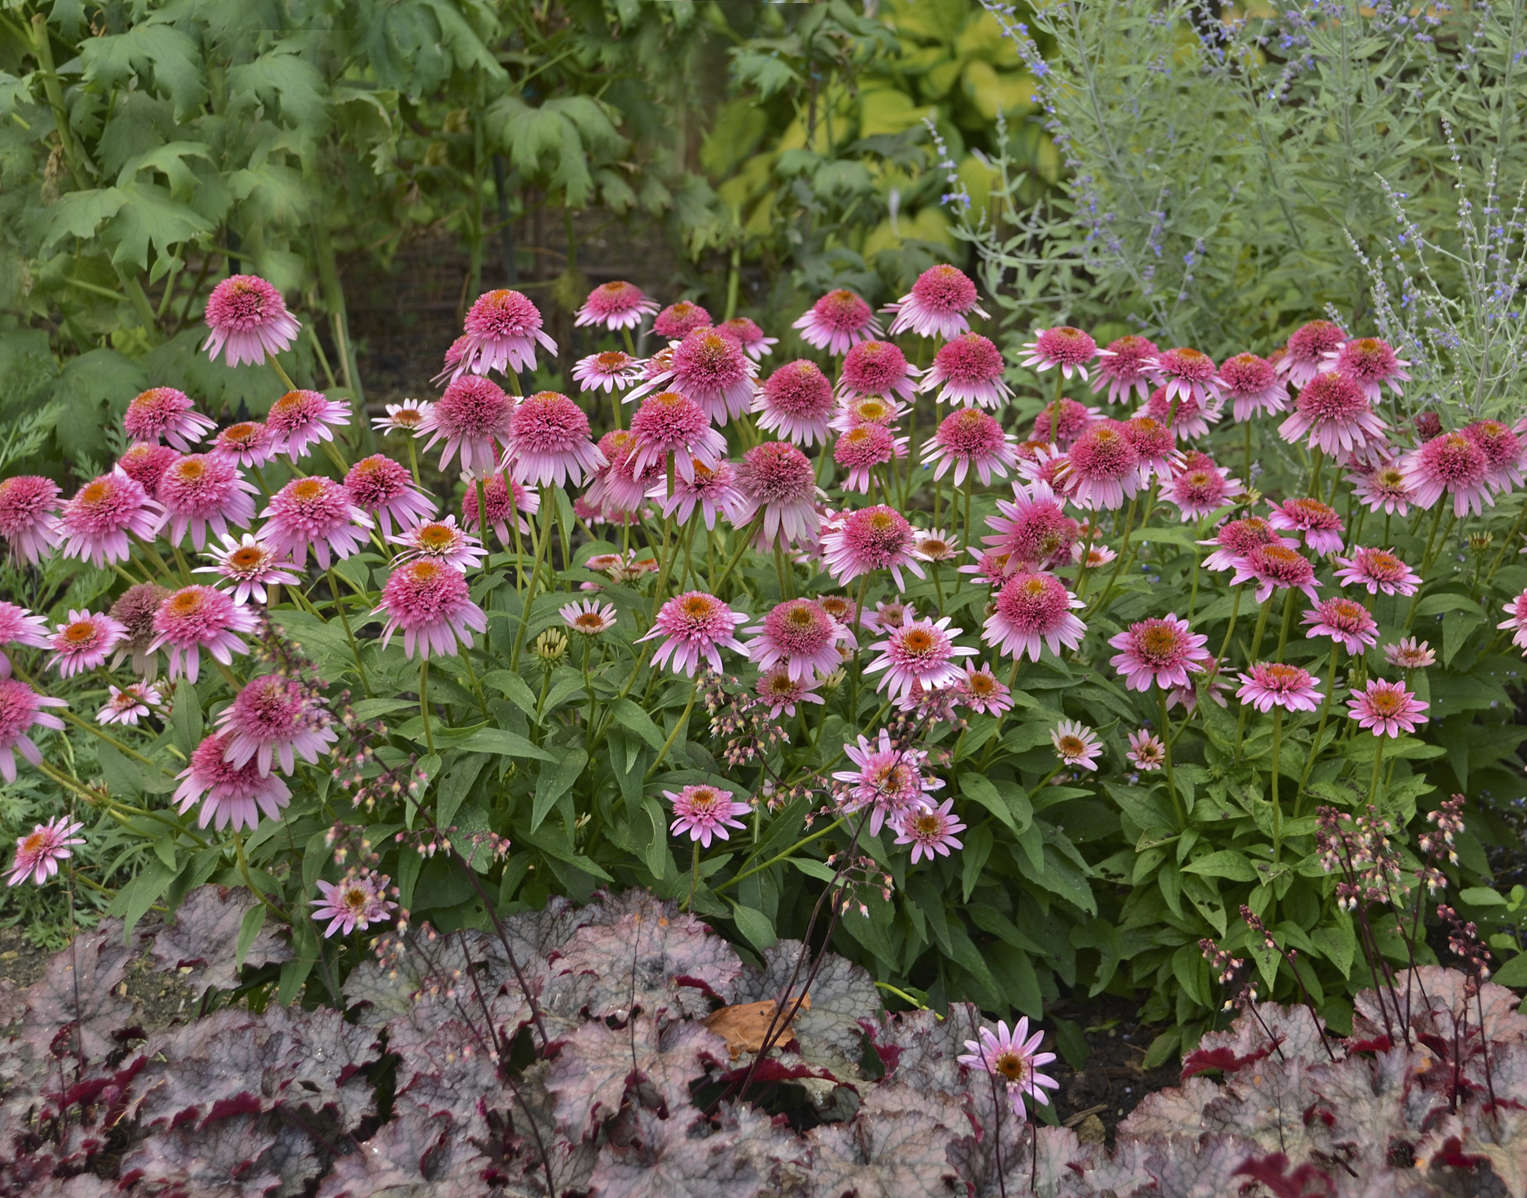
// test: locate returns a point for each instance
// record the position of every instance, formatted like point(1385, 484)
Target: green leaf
point(160, 51)
point(1009, 802)
point(81, 213)
point(756, 927)
point(1482, 896)
point(504, 743)
point(556, 778)
point(456, 784)
point(281, 79)
point(514, 688)
point(1513, 973)
point(151, 216)
point(629, 716)
point(1225, 863)
point(254, 920)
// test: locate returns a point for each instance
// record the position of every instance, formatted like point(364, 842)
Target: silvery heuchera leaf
point(992, 1136)
point(1435, 999)
point(75, 1004)
point(420, 964)
point(667, 1158)
point(1201, 1167)
point(842, 995)
point(1359, 1114)
point(918, 1049)
point(235, 1157)
point(205, 934)
point(1289, 1032)
point(897, 1145)
point(1496, 1143)
point(440, 1025)
point(1178, 1111)
point(413, 1155)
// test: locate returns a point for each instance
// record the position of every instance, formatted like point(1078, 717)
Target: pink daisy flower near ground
point(1076, 744)
point(1319, 522)
point(970, 439)
point(550, 442)
point(1102, 469)
point(406, 417)
point(129, 704)
point(918, 655)
point(695, 627)
point(1122, 368)
point(103, 513)
point(748, 335)
point(251, 566)
point(299, 420)
point(204, 491)
point(29, 523)
point(877, 369)
point(431, 602)
point(837, 322)
point(800, 638)
point(40, 850)
point(385, 491)
point(1033, 611)
point(777, 482)
point(1276, 567)
point(1063, 348)
point(968, 370)
point(677, 321)
point(672, 424)
point(1146, 752)
point(711, 369)
point(1186, 374)
point(1201, 491)
point(274, 720)
point(441, 541)
point(196, 618)
point(1377, 570)
point(356, 901)
point(615, 305)
point(933, 830)
point(1382, 488)
point(1013, 1057)
point(145, 463)
point(1305, 354)
point(229, 794)
point(796, 402)
point(19, 627)
point(247, 443)
point(165, 414)
point(983, 692)
point(1332, 414)
point(705, 812)
point(1185, 415)
point(1345, 621)
point(1516, 621)
point(861, 449)
point(1505, 453)
point(1386, 708)
point(314, 513)
point(610, 371)
point(83, 642)
point(249, 320)
point(1236, 538)
point(938, 305)
point(588, 616)
point(782, 693)
point(1062, 422)
point(887, 780)
point(1451, 464)
point(504, 503)
point(713, 489)
point(1160, 651)
point(1410, 654)
point(871, 409)
point(21, 709)
point(1253, 387)
point(472, 416)
point(502, 328)
point(873, 538)
point(1370, 363)
point(1272, 684)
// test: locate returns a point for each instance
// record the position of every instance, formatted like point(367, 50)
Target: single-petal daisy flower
point(938, 305)
point(777, 484)
point(748, 335)
point(1451, 464)
point(1345, 621)
point(472, 417)
point(782, 692)
point(694, 627)
point(406, 417)
point(442, 541)
point(877, 369)
point(40, 850)
point(610, 371)
point(1410, 654)
point(1386, 708)
point(1304, 356)
point(204, 491)
point(935, 545)
point(247, 443)
point(1161, 650)
point(1185, 415)
point(669, 423)
point(1201, 491)
point(29, 522)
point(918, 654)
point(799, 637)
point(1033, 611)
point(1275, 567)
point(145, 463)
point(431, 603)
point(165, 414)
point(502, 328)
point(867, 409)
point(504, 503)
point(615, 305)
point(1236, 538)
point(1014, 1057)
point(1382, 488)
point(837, 322)
point(1064, 348)
point(98, 520)
point(861, 449)
point(129, 704)
point(1076, 744)
point(983, 692)
point(196, 618)
point(588, 616)
point(970, 439)
point(796, 402)
point(357, 901)
point(705, 812)
point(1516, 621)
point(385, 491)
point(677, 321)
point(1377, 570)
point(1102, 469)
point(711, 368)
point(83, 642)
point(1032, 530)
point(873, 538)
point(887, 780)
point(21, 709)
point(1253, 386)
point(1370, 363)
point(229, 794)
point(1332, 413)
point(1146, 751)
point(929, 831)
point(299, 420)
point(251, 566)
point(249, 320)
point(1273, 684)
point(1062, 422)
point(20, 627)
point(314, 513)
point(968, 370)
point(1505, 453)
point(713, 489)
point(275, 720)
point(1122, 368)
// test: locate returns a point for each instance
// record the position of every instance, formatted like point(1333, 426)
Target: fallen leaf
point(744, 1025)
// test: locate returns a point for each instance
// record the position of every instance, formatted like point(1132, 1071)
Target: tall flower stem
point(1378, 765)
point(673, 735)
point(694, 872)
point(1277, 814)
point(429, 736)
point(344, 620)
point(286, 379)
point(1171, 778)
point(540, 539)
point(1320, 727)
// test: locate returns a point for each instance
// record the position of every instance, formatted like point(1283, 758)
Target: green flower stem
point(413, 468)
point(673, 735)
point(1432, 545)
point(744, 543)
point(908, 999)
point(1320, 727)
point(271, 905)
point(1171, 778)
point(1288, 619)
point(482, 699)
point(115, 808)
point(1505, 548)
point(778, 857)
point(1235, 610)
point(101, 734)
point(1118, 565)
point(344, 621)
point(281, 370)
point(429, 736)
point(694, 873)
point(858, 614)
point(540, 540)
point(969, 485)
point(1277, 814)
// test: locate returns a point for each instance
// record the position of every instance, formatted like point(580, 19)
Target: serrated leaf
point(279, 78)
point(81, 213)
point(151, 216)
point(149, 50)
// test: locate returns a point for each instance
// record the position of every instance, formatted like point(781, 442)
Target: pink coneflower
point(1202, 491)
point(204, 491)
point(713, 489)
point(1516, 621)
point(1273, 684)
point(796, 402)
point(1187, 374)
point(1253, 386)
point(314, 513)
point(504, 503)
point(431, 602)
point(1102, 469)
point(39, 851)
point(588, 616)
point(888, 780)
point(839, 608)
point(983, 692)
point(1155, 445)
point(918, 655)
point(1320, 523)
point(837, 322)
point(777, 482)
point(229, 794)
point(1386, 708)
point(274, 720)
point(929, 831)
point(677, 321)
point(1383, 487)
point(1076, 744)
point(877, 369)
point(97, 521)
point(616, 489)
point(129, 704)
point(1064, 348)
point(694, 627)
point(406, 417)
point(83, 642)
point(1062, 422)
point(1450, 464)
point(251, 565)
point(612, 370)
point(1276, 567)
point(145, 463)
point(1014, 1057)
point(135, 609)
point(502, 329)
point(782, 693)
point(748, 335)
point(1410, 654)
point(1162, 650)
point(29, 522)
point(938, 304)
point(671, 423)
point(299, 420)
point(711, 369)
point(1236, 538)
point(384, 490)
point(968, 370)
point(1122, 368)
point(1345, 621)
point(355, 902)
point(1146, 751)
point(21, 709)
point(441, 541)
point(1370, 363)
point(1377, 570)
point(1185, 415)
point(873, 538)
point(19, 627)
point(934, 545)
point(165, 414)
point(247, 443)
point(472, 415)
point(799, 637)
point(871, 409)
point(248, 318)
point(1505, 453)
point(891, 613)
point(970, 439)
point(861, 449)
point(1304, 356)
point(550, 442)
point(704, 812)
point(615, 305)
point(196, 618)
point(1335, 416)
point(1032, 611)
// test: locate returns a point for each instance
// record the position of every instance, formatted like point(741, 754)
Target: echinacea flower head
point(1032, 529)
point(1014, 1058)
point(1033, 611)
point(711, 368)
point(695, 627)
point(886, 779)
point(167, 415)
point(19, 627)
point(1308, 347)
point(83, 641)
point(103, 513)
point(935, 545)
point(135, 610)
point(472, 417)
point(314, 513)
point(129, 704)
point(275, 720)
point(1345, 621)
point(866, 409)
point(1411, 654)
point(588, 617)
point(248, 318)
point(247, 443)
point(1062, 348)
point(203, 491)
point(385, 491)
point(1386, 708)
point(983, 692)
point(918, 655)
point(1253, 386)
point(251, 566)
point(354, 903)
point(930, 831)
point(1274, 568)
point(615, 305)
point(431, 602)
point(1146, 751)
point(677, 321)
point(796, 402)
point(1236, 538)
point(782, 693)
point(877, 369)
point(747, 334)
point(968, 370)
point(1376, 570)
point(550, 442)
point(705, 812)
point(502, 329)
point(441, 541)
point(504, 503)
point(1123, 368)
point(1076, 744)
point(40, 850)
point(299, 420)
point(29, 516)
point(1319, 522)
point(617, 490)
point(196, 618)
point(229, 794)
point(1186, 415)
point(1272, 684)
point(1155, 444)
point(1160, 651)
point(799, 637)
point(145, 463)
point(670, 424)
point(1505, 452)
point(970, 439)
point(1201, 491)
point(713, 489)
point(1383, 488)
point(611, 370)
point(1370, 363)
point(858, 451)
point(1516, 621)
point(1333, 414)
point(939, 304)
point(837, 322)
point(21, 709)
point(406, 417)
point(1451, 464)
point(1102, 469)
point(777, 482)
point(872, 538)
